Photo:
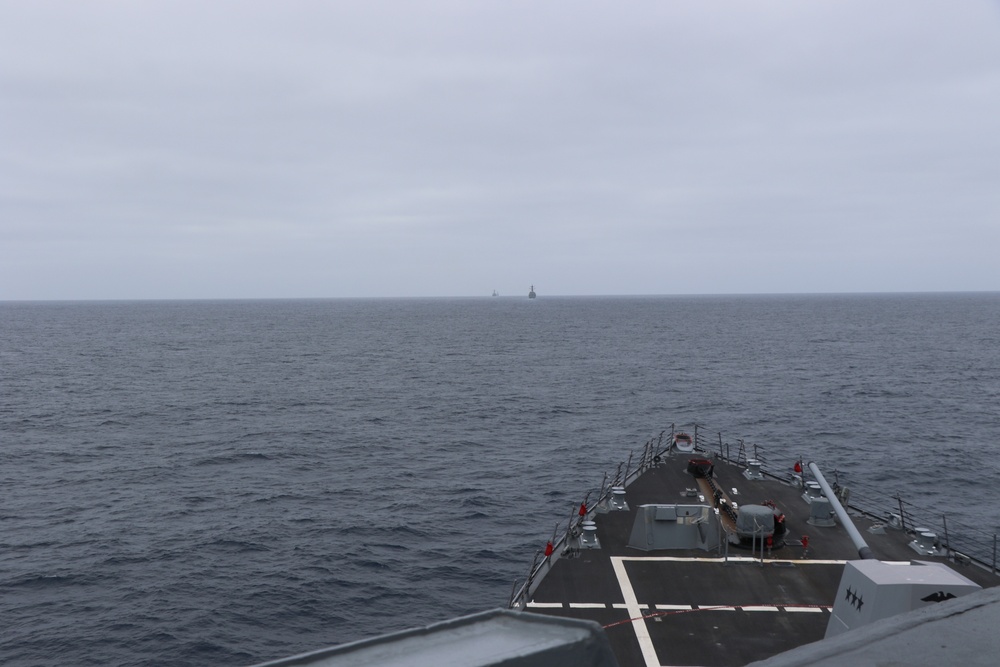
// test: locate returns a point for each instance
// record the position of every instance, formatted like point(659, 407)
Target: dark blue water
point(185, 483)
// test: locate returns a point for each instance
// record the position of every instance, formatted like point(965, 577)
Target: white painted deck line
point(634, 611)
point(732, 559)
point(677, 607)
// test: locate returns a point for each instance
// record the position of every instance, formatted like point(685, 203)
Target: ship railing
point(960, 540)
point(627, 472)
point(741, 454)
point(956, 537)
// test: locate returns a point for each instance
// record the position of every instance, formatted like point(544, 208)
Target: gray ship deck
point(693, 607)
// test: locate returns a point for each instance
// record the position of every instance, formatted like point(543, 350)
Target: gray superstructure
point(707, 559)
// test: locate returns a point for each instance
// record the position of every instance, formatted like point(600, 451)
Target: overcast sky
point(337, 149)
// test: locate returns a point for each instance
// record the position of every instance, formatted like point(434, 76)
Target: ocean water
point(226, 482)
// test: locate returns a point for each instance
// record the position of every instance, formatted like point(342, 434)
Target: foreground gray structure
point(962, 631)
point(489, 639)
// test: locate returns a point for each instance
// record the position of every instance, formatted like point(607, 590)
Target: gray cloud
point(251, 149)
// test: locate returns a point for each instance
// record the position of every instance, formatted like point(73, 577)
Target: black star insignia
point(854, 599)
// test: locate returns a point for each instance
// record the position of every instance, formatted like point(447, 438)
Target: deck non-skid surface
point(694, 607)
point(704, 611)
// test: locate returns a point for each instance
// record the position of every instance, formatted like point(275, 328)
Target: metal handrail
point(967, 542)
point(520, 595)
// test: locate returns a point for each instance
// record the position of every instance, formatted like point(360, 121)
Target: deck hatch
point(666, 513)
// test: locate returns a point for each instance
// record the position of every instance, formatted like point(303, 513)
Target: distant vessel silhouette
point(531, 294)
point(495, 293)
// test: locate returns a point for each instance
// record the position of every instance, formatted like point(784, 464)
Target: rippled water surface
point(186, 483)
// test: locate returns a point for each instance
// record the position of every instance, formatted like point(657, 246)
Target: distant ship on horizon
point(531, 294)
